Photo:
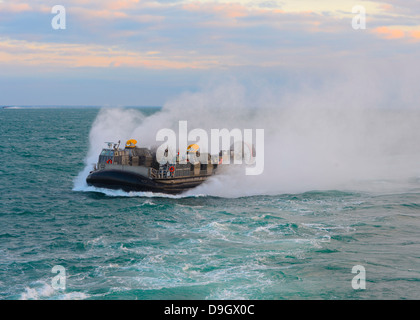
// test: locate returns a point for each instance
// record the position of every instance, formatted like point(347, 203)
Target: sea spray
point(111, 124)
point(308, 146)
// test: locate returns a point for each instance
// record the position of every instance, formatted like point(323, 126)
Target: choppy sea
point(116, 245)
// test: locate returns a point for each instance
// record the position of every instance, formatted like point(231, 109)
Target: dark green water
point(124, 246)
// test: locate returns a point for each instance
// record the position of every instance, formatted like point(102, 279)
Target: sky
point(147, 52)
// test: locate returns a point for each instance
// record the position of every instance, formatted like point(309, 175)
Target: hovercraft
point(136, 169)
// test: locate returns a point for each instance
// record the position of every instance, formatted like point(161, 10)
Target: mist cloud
point(337, 134)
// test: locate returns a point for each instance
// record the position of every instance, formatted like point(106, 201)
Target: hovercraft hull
point(131, 181)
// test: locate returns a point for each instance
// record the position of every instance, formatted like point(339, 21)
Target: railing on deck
point(153, 173)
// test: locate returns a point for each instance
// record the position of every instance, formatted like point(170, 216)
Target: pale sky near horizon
point(141, 52)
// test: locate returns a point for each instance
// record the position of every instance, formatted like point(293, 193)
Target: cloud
point(395, 32)
point(415, 34)
point(389, 33)
point(403, 7)
point(14, 7)
point(277, 37)
point(24, 53)
point(227, 10)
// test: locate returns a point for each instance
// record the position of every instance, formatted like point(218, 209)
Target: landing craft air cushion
point(137, 169)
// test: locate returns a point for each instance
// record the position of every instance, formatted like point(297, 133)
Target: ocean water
point(203, 245)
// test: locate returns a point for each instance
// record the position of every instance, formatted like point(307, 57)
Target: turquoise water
point(145, 246)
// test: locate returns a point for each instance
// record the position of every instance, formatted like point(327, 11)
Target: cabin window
point(108, 153)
